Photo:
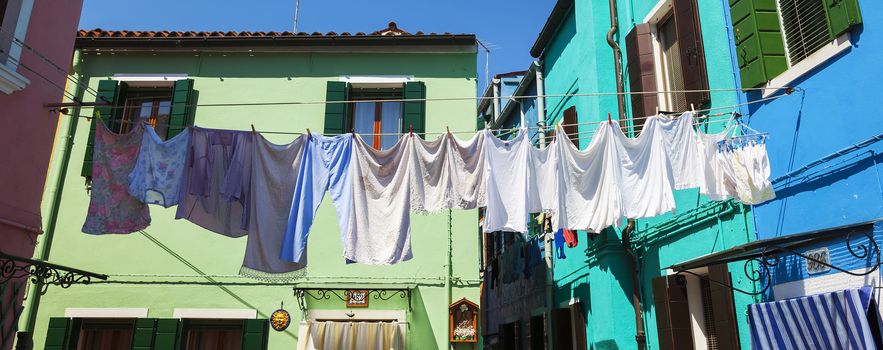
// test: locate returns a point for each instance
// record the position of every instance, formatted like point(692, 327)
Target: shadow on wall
point(608, 344)
point(419, 316)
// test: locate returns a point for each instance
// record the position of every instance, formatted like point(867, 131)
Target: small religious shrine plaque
point(464, 321)
point(357, 298)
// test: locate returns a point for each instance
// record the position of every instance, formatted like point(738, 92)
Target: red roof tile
point(391, 30)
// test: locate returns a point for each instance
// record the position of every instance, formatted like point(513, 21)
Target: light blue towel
point(158, 171)
point(325, 166)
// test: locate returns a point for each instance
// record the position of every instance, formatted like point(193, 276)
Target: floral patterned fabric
point(112, 209)
point(158, 171)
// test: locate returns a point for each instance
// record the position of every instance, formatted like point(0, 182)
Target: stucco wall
point(267, 78)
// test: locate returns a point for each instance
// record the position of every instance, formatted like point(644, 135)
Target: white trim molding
point(215, 313)
point(11, 81)
point(811, 62)
point(376, 81)
point(353, 314)
point(148, 80)
point(101, 312)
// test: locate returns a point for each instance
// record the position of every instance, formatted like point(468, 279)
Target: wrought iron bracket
point(343, 294)
point(42, 273)
point(757, 268)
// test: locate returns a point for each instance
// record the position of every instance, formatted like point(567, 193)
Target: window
point(14, 18)
point(693, 310)
point(375, 117)
point(779, 41)
point(212, 334)
point(376, 120)
point(537, 333)
point(105, 334)
point(570, 127)
point(665, 54)
point(152, 105)
point(569, 325)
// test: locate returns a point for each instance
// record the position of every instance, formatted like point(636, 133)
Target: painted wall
point(266, 77)
point(596, 272)
point(28, 135)
point(837, 108)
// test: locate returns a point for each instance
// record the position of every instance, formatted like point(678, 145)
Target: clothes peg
point(410, 130)
point(308, 133)
point(657, 109)
point(609, 120)
point(692, 108)
point(253, 129)
point(448, 129)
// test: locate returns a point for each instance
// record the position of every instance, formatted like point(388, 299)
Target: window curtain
point(391, 115)
point(330, 335)
point(363, 120)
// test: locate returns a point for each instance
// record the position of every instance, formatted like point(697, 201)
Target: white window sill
point(215, 313)
point(11, 81)
point(810, 63)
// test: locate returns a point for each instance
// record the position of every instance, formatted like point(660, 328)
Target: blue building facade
point(823, 147)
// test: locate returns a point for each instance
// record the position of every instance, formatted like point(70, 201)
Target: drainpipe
point(640, 335)
point(497, 107)
point(547, 242)
point(449, 270)
point(617, 60)
point(27, 342)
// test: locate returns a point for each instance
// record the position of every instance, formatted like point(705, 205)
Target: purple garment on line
point(210, 168)
point(111, 208)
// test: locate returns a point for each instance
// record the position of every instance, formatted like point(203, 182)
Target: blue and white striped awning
point(837, 320)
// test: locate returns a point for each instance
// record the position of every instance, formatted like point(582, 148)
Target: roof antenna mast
point(296, 6)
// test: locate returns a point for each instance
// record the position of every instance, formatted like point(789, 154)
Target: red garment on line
point(570, 238)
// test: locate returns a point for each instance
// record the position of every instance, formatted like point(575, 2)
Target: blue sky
point(508, 26)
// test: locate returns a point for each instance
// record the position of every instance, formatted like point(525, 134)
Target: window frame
point(375, 94)
point(814, 60)
point(191, 325)
point(663, 11)
point(10, 80)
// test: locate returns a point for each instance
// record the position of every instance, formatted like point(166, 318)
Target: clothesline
point(788, 90)
point(528, 127)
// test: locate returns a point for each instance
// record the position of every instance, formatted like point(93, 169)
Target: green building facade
point(177, 282)
point(595, 285)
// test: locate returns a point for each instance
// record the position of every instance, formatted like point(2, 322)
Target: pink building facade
point(36, 43)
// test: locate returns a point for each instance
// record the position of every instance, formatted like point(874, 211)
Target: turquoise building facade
point(613, 290)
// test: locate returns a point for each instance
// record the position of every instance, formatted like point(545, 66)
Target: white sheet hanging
point(590, 198)
point(646, 180)
point(510, 184)
point(447, 173)
point(718, 184)
point(684, 150)
point(380, 233)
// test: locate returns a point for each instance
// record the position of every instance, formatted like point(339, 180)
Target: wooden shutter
point(337, 115)
point(672, 313)
point(254, 334)
point(167, 334)
point(757, 34)
point(723, 307)
point(842, 15)
point(107, 91)
point(572, 130)
point(58, 334)
point(143, 337)
point(181, 114)
point(642, 72)
point(578, 313)
point(415, 111)
point(693, 70)
point(563, 329)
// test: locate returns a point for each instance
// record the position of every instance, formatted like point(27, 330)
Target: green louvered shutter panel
point(181, 114)
point(107, 90)
point(254, 335)
point(337, 115)
point(760, 48)
point(58, 334)
point(842, 15)
point(143, 337)
point(166, 336)
point(415, 111)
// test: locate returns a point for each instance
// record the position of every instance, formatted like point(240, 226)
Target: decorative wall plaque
point(357, 298)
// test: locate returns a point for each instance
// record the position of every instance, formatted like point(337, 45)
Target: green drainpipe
point(449, 270)
point(35, 295)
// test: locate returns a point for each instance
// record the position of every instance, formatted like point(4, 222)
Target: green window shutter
point(337, 115)
point(842, 15)
point(415, 111)
point(254, 334)
point(107, 91)
point(181, 114)
point(143, 337)
point(760, 48)
point(166, 336)
point(58, 334)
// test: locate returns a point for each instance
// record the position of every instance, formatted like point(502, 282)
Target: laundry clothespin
point(657, 109)
point(692, 108)
point(609, 120)
point(308, 133)
point(448, 129)
point(410, 130)
point(253, 129)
